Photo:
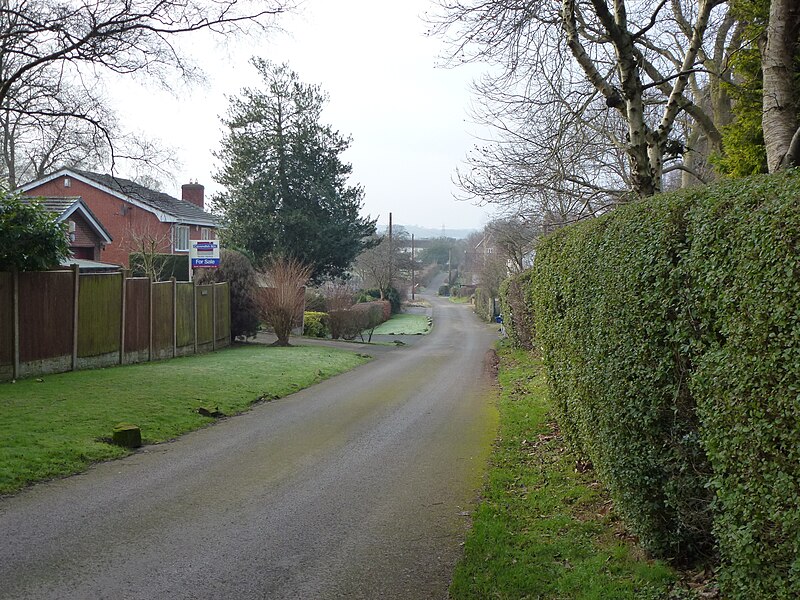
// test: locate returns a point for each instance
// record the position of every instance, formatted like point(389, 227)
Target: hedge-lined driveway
point(356, 488)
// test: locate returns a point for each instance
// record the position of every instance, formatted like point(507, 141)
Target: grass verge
point(460, 299)
point(54, 426)
point(543, 528)
point(404, 324)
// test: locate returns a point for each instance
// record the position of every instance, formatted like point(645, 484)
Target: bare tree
point(52, 53)
point(281, 301)
point(514, 240)
point(608, 88)
point(148, 247)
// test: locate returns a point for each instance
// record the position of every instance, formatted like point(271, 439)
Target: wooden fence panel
point(205, 314)
point(6, 323)
point(223, 313)
point(46, 305)
point(137, 317)
point(185, 316)
point(162, 319)
point(159, 321)
point(99, 314)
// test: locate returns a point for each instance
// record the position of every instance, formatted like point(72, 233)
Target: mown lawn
point(404, 324)
point(545, 529)
point(54, 425)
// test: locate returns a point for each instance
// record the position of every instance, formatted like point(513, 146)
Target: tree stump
point(127, 435)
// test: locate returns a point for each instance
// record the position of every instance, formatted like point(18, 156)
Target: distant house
point(130, 214)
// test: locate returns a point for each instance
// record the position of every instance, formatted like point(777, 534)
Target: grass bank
point(53, 426)
point(545, 528)
point(404, 324)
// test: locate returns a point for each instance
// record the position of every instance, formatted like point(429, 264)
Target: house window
point(180, 235)
point(206, 233)
point(67, 182)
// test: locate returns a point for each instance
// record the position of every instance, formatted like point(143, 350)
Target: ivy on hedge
point(671, 334)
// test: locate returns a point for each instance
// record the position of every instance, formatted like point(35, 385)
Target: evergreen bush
point(670, 329)
point(315, 324)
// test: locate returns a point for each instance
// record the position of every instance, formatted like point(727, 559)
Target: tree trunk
point(779, 109)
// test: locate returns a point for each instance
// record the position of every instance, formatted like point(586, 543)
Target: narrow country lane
point(355, 488)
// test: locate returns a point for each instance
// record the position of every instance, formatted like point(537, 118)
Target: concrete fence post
point(15, 326)
point(123, 316)
point(76, 278)
point(174, 316)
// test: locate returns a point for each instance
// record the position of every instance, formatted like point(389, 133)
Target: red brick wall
point(85, 237)
point(122, 220)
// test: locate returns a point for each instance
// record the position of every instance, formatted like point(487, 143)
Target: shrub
point(315, 324)
point(281, 302)
point(315, 301)
point(669, 329)
point(354, 321)
point(392, 295)
point(444, 290)
point(516, 311)
point(236, 269)
point(33, 240)
point(484, 304)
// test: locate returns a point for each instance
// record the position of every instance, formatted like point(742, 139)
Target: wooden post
point(76, 274)
point(174, 316)
point(213, 316)
point(194, 309)
point(123, 312)
point(15, 293)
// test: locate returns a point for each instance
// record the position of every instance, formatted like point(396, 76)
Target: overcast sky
point(407, 116)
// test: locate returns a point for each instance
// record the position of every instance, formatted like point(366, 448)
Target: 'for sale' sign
point(204, 254)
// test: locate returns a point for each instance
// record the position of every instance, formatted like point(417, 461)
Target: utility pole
point(412, 268)
point(449, 270)
point(391, 254)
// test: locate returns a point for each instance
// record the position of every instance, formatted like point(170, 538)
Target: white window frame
point(180, 233)
point(206, 233)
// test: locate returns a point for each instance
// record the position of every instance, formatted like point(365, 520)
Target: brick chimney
point(194, 193)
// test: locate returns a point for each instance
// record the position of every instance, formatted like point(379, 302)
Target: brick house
point(131, 214)
point(87, 236)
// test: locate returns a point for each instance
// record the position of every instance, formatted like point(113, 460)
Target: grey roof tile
point(181, 209)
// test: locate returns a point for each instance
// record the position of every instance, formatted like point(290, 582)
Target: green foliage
point(744, 152)
point(315, 324)
point(444, 290)
point(542, 529)
point(517, 311)
point(32, 238)
point(163, 266)
point(286, 185)
point(238, 271)
point(669, 329)
point(53, 426)
point(391, 294)
point(485, 306)
point(440, 250)
point(405, 324)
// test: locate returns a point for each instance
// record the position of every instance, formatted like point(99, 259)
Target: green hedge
point(517, 311)
point(671, 334)
point(484, 304)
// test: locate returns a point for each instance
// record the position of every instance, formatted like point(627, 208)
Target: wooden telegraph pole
point(412, 268)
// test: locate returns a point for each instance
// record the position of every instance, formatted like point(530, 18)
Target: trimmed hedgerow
point(516, 310)
point(606, 297)
point(745, 268)
point(671, 334)
point(484, 304)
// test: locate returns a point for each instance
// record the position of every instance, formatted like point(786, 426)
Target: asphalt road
point(355, 488)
